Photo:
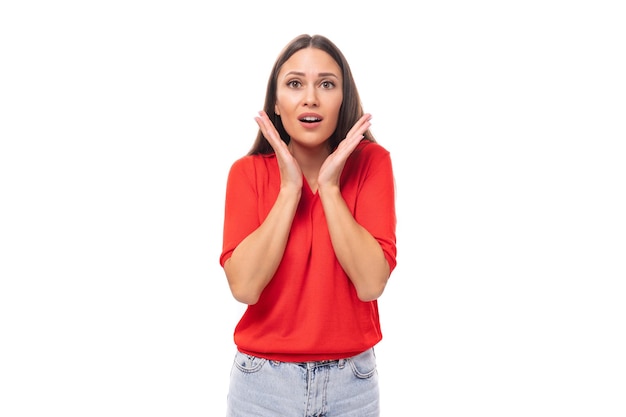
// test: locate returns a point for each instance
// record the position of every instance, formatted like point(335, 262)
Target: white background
point(506, 124)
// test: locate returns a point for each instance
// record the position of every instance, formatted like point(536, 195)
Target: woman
point(309, 244)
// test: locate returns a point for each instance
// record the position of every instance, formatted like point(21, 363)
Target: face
point(308, 96)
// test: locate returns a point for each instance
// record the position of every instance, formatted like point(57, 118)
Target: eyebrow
point(321, 74)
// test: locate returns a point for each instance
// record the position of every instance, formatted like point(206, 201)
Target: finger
point(268, 130)
point(361, 125)
point(357, 132)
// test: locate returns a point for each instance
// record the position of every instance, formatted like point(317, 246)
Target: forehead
point(311, 61)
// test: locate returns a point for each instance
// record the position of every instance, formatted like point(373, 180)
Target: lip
point(310, 125)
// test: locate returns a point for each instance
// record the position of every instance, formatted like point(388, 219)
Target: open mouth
point(310, 119)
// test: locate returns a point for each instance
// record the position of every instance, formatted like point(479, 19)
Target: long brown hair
point(351, 109)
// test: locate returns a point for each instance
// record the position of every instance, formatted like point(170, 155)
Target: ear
point(276, 110)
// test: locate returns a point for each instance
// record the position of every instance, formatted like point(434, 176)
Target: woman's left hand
point(331, 169)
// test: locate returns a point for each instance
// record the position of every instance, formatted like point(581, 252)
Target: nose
point(310, 97)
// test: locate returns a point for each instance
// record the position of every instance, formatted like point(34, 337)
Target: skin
point(308, 83)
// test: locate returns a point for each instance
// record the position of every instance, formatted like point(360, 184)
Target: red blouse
point(309, 310)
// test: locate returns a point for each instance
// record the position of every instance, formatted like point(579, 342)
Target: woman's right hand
point(290, 172)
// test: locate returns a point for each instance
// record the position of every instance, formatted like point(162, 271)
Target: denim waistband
point(317, 364)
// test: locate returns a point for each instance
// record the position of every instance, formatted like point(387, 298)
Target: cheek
point(336, 111)
point(336, 105)
point(279, 107)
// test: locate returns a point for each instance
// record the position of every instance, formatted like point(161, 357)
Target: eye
point(294, 84)
point(327, 84)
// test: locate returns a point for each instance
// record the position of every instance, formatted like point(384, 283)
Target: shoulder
point(370, 151)
point(249, 164)
point(369, 158)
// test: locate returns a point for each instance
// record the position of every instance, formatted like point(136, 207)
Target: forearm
point(358, 252)
point(255, 260)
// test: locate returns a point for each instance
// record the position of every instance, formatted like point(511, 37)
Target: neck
point(309, 157)
point(310, 160)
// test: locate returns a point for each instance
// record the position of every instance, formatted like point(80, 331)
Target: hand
point(331, 169)
point(290, 172)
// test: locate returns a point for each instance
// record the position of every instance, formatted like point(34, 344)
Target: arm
point(255, 259)
point(358, 251)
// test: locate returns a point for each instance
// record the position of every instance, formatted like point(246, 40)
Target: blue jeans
point(340, 388)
